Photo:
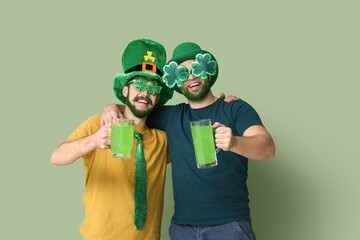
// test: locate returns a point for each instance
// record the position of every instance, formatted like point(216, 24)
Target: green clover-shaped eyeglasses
point(202, 67)
point(141, 85)
point(173, 74)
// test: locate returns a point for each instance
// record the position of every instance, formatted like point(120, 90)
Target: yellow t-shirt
point(109, 187)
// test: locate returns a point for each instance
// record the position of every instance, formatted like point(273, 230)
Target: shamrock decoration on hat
point(143, 57)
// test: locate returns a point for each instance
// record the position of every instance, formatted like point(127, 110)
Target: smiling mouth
point(194, 85)
point(143, 101)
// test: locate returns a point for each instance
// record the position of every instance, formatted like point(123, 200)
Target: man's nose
point(144, 93)
point(191, 76)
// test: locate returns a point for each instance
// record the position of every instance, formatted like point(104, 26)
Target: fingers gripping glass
point(141, 85)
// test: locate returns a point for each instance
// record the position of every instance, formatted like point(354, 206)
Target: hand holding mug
point(223, 136)
point(102, 137)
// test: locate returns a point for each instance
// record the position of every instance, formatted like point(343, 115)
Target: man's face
point(141, 103)
point(195, 88)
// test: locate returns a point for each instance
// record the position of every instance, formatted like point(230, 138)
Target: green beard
point(199, 95)
point(136, 112)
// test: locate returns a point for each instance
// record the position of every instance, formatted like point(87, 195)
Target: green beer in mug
point(122, 137)
point(204, 146)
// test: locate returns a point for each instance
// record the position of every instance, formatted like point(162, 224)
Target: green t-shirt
point(209, 196)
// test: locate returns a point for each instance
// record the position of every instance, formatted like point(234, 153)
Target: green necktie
point(140, 184)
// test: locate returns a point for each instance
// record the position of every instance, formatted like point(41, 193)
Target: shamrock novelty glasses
point(202, 67)
point(142, 86)
point(173, 74)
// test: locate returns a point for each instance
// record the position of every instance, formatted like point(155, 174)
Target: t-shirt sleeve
point(90, 126)
point(245, 117)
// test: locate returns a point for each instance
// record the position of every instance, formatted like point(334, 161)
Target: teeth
point(142, 101)
point(194, 84)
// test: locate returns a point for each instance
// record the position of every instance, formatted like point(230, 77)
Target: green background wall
point(295, 62)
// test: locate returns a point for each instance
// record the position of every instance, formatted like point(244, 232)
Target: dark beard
point(203, 92)
point(136, 112)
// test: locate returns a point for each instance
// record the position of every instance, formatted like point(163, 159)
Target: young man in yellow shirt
point(115, 206)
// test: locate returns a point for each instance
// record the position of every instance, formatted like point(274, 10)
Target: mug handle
point(217, 150)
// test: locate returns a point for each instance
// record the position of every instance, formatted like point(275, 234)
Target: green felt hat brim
point(191, 55)
point(121, 80)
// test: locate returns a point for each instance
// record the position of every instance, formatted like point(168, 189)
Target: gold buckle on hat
point(148, 67)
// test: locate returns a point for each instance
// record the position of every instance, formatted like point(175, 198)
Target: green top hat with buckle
point(143, 57)
point(205, 64)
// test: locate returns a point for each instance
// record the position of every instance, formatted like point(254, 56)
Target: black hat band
point(145, 67)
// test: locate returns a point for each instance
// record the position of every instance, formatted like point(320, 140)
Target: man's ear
point(125, 91)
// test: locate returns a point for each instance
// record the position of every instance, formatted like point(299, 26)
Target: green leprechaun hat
point(187, 51)
point(143, 57)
